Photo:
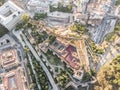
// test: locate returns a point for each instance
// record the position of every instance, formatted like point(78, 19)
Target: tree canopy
point(77, 28)
point(109, 76)
point(51, 39)
point(41, 16)
point(117, 2)
point(25, 17)
point(61, 8)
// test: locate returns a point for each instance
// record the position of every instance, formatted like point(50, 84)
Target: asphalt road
point(41, 63)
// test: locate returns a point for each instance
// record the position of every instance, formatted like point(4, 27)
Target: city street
point(41, 63)
point(37, 58)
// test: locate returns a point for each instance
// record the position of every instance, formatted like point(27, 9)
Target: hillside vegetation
point(109, 76)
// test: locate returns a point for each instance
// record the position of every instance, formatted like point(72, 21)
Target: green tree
point(73, 28)
point(117, 2)
point(26, 49)
point(52, 39)
point(25, 17)
point(32, 85)
point(38, 16)
point(109, 75)
point(78, 28)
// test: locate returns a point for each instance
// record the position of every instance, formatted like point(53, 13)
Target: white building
point(10, 15)
point(38, 6)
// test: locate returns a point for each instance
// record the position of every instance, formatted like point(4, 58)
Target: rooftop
point(37, 3)
point(14, 80)
point(71, 57)
point(9, 9)
point(59, 14)
point(9, 13)
point(8, 58)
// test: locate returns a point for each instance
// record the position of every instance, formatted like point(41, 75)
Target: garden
point(39, 37)
point(33, 83)
point(40, 16)
point(53, 59)
point(42, 78)
point(63, 79)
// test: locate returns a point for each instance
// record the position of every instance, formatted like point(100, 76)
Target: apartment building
point(9, 59)
point(75, 56)
point(14, 80)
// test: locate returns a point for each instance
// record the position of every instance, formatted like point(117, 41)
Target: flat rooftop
point(8, 11)
point(14, 80)
point(70, 57)
point(57, 14)
point(8, 58)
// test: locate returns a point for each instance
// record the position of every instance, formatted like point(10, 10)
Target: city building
point(38, 6)
point(59, 17)
point(7, 41)
point(10, 15)
point(82, 18)
point(75, 56)
point(14, 80)
point(97, 11)
point(9, 59)
point(80, 6)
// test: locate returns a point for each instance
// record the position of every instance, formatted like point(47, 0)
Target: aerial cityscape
point(59, 44)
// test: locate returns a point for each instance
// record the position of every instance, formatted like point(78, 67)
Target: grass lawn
point(3, 30)
point(53, 59)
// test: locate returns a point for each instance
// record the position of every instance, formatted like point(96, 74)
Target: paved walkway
point(41, 63)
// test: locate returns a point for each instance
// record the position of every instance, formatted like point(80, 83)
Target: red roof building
point(9, 58)
point(14, 80)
